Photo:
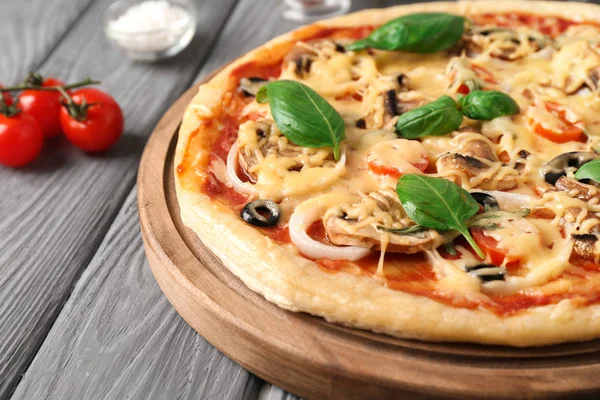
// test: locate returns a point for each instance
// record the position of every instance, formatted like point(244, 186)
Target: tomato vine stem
point(85, 82)
point(8, 110)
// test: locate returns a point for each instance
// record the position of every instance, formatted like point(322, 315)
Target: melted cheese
point(531, 68)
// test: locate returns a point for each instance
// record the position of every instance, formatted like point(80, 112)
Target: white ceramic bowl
point(150, 44)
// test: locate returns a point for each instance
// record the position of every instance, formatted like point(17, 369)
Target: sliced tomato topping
point(568, 127)
point(397, 157)
point(490, 247)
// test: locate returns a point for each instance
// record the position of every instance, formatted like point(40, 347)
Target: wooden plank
point(30, 31)
point(119, 338)
point(56, 212)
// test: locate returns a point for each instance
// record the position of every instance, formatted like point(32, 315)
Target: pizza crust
point(295, 283)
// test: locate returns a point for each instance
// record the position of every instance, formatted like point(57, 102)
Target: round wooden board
point(310, 357)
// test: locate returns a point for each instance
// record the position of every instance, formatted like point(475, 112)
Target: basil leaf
point(487, 105)
point(434, 119)
point(415, 33)
point(303, 116)
point(438, 203)
point(589, 170)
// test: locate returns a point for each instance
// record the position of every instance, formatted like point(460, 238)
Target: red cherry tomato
point(99, 127)
point(21, 139)
point(7, 97)
point(43, 106)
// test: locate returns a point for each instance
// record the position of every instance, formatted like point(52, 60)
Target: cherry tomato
point(98, 127)
point(43, 106)
point(397, 157)
point(7, 97)
point(490, 247)
point(566, 127)
point(21, 139)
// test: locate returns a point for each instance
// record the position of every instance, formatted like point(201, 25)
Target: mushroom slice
point(250, 86)
point(380, 213)
point(477, 159)
point(585, 241)
point(386, 98)
point(586, 246)
point(577, 189)
point(302, 57)
point(258, 140)
point(504, 43)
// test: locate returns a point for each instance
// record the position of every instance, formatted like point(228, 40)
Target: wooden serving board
point(315, 359)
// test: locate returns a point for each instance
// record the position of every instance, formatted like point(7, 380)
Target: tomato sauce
point(408, 273)
point(280, 234)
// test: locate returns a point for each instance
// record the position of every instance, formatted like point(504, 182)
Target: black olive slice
point(487, 272)
point(251, 213)
point(557, 167)
point(488, 201)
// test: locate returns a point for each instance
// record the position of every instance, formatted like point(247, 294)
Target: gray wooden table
point(81, 316)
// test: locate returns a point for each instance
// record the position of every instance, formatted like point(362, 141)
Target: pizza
point(427, 171)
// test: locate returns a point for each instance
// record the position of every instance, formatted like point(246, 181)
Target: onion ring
point(234, 179)
point(507, 199)
point(299, 223)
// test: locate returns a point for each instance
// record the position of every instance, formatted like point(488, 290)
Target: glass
point(151, 44)
point(312, 10)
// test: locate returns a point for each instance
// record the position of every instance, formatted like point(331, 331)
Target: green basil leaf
point(487, 105)
point(415, 33)
point(434, 119)
point(589, 170)
point(438, 203)
point(303, 116)
point(261, 95)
